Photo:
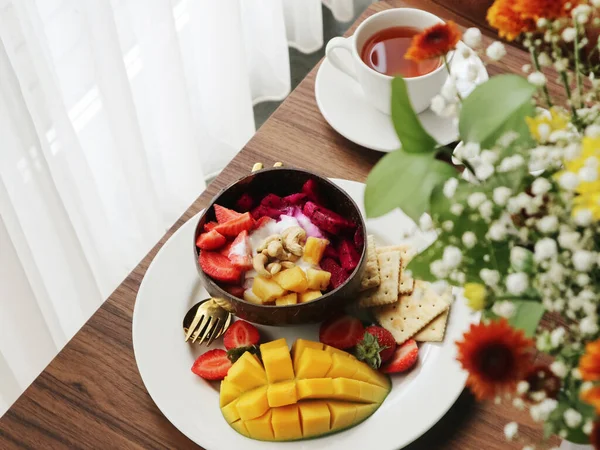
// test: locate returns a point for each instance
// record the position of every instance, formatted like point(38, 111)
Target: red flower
point(434, 42)
point(541, 378)
point(496, 356)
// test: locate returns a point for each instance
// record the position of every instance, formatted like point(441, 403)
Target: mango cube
point(299, 346)
point(281, 394)
point(346, 389)
point(251, 297)
point(278, 364)
point(313, 364)
point(286, 423)
point(318, 279)
point(260, 428)
point(370, 393)
point(308, 296)
point(314, 388)
point(342, 414)
point(293, 279)
point(315, 417)
point(342, 367)
point(267, 346)
point(230, 412)
point(266, 290)
point(229, 392)
point(314, 250)
point(363, 411)
point(245, 375)
point(369, 375)
point(289, 299)
point(240, 428)
point(253, 404)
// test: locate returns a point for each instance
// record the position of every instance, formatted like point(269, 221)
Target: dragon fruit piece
point(359, 239)
point(311, 190)
point(273, 201)
point(309, 208)
point(311, 229)
point(338, 275)
point(349, 257)
point(331, 222)
point(295, 199)
point(331, 252)
point(265, 211)
point(244, 203)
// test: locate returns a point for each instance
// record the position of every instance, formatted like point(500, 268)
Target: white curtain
point(112, 115)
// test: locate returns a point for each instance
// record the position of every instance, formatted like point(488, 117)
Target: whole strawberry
point(376, 347)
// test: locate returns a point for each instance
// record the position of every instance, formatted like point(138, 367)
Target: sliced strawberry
point(225, 250)
point(295, 199)
point(338, 275)
point(359, 239)
point(341, 332)
point(311, 190)
point(349, 257)
point(234, 227)
point(240, 253)
point(265, 211)
point(219, 267)
point(210, 240)
point(244, 203)
point(403, 359)
point(208, 226)
point(234, 289)
point(212, 365)
point(376, 347)
point(263, 221)
point(241, 334)
point(273, 201)
point(225, 214)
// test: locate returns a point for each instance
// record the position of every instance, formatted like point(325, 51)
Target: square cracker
point(412, 312)
point(435, 330)
point(371, 276)
point(387, 291)
point(407, 253)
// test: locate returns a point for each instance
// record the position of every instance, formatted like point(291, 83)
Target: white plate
point(171, 286)
point(343, 105)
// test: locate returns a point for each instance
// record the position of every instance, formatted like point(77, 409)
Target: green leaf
point(404, 180)
point(527, 316)
point(408, 127)
point(496, 106)
point(235, 353)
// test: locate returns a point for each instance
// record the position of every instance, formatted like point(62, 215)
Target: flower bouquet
point(517, 214)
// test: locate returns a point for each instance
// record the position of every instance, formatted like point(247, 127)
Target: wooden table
point(92, 396)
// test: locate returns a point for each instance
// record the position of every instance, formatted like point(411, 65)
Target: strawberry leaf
point(235, 353)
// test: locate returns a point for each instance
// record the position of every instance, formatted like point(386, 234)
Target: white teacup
point(377, 86)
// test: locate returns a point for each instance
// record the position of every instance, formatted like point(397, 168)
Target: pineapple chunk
point(293, 279)
point(290, 299)
point(318, 279)
point(314, 249)
point(308, 296)
point(266, 290)
point(251, 297)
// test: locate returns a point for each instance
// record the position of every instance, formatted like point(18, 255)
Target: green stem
point(577, 63)
point(536, 63)
point(450, 75)
point(565, 81)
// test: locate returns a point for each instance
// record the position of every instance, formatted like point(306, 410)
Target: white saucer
point(343, 105)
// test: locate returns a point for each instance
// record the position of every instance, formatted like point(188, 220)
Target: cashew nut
point(287, 264)
point(267, 241)
point(293, 238)
point(275, 250)
point(258, 262)
point(274, 267)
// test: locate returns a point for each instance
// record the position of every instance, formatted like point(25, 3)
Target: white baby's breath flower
point(475, 199)
point(581, 13)
point(496, 51)
point(575, 373)
point(501, 195)
point(504, 309)
point(568, 181)
point(583, 217)
point(518, 403)
point(452, 257)
point(526, 68)
point(465, 52)
point(472, 72)
point(510, 430)
point(593, 131)
point(511, 163)
point(537, 79)
point(540, 186)
point(572, 418)
point(470, 150)
point(545, 249)
point(561, 64)
point(438, 105)
point(583, 260)
point(497, 231)
point(589, 425)
point(450, 187)
point(457, 209)
point(557, 336)
point(522, 387)
point(449, 91)
point(582, 279)
point(484, 171)
point(447, 225)
point(469, 239)
point(544, 131)
point(544, 60)
point(569, 239)
point(517, 283)
point(559, 369)
point(588, 174)
point(547, 224)
point(439, 269)
point(486, 209)
point(490, 277)
point(589, 325)
point(541, 412)
point(569, 34)
point(472, 37)
point(489, 156)
point(425, 222)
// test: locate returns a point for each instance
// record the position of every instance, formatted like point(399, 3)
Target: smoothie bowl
point(281, 246)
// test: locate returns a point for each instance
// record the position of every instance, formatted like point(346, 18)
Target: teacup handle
point(340, 43)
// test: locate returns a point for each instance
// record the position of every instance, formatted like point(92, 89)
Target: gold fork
point(205, 320)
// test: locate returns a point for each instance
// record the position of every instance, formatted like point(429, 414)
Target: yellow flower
point(588, 191)
point(475, 294)
point(545, 123)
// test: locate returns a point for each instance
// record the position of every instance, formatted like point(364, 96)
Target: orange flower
point(434, 42)
point(496, 356)
point(592, 396)
point(509, 23)
point(547, 9)
point(589, 364)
